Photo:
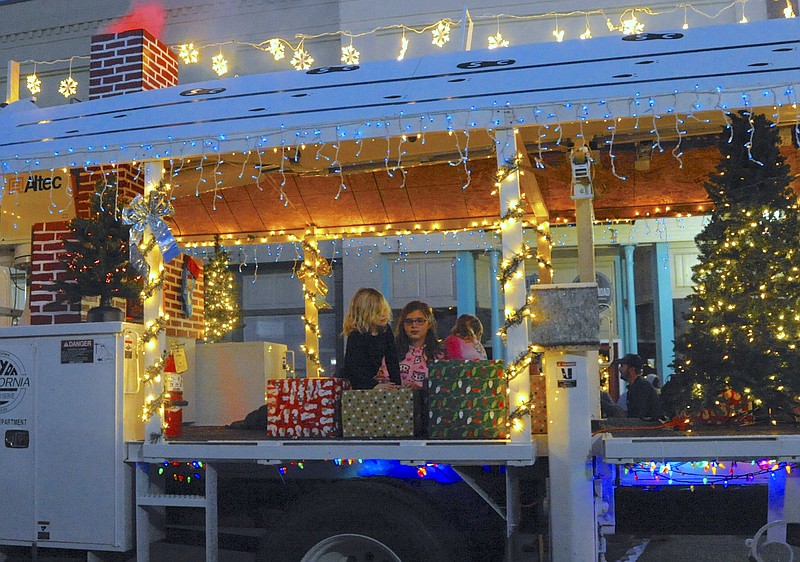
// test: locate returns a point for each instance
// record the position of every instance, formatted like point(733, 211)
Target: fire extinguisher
point(173, 406)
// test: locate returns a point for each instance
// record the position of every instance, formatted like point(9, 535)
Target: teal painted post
point(498, 349)
point(386, 278)
point(619, 301)
point(632, 339)
point(465, 283)
point(662, 305)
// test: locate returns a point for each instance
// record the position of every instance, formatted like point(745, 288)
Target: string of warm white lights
point(310, 270)
point(629, 23)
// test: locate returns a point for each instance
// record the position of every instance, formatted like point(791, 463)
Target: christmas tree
point(97, 252)
point(221, 302)
point(744, 323)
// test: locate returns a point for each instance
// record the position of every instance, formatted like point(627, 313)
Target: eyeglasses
point(412, 321)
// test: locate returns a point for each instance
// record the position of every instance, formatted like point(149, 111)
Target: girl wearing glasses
point(417, 344)
point(464, 341)
point(370, 342)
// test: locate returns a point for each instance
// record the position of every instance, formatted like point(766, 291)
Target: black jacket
point(363, 356)
point(643, 400)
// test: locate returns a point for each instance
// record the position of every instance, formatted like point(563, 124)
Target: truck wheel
point(352, 548)
point(360, 521)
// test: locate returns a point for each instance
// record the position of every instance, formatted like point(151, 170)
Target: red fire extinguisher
point(173, 407)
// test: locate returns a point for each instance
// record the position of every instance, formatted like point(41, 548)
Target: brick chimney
point(121, 63)
point(130, 61)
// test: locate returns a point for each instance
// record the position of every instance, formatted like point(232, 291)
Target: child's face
point(381, 320)
point(415, 325)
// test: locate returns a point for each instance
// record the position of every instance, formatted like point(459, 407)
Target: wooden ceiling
point(431, 196)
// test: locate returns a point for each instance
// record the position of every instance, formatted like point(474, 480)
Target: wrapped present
point(379, 413)
point(467, 400)
point(310, 407)
point(729, 405)
point(538, 409)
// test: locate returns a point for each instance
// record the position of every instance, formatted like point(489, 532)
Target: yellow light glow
point(187, 53)
point(497, 41)
point(219, 65)
point(302, 60)
point(33, 84)
point(403, 48)
point(68, 87)
point(632, 26)
point(350, 55)
point(441, 33)
point(276, 48)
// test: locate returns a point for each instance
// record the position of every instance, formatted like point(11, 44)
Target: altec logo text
point(42, 183)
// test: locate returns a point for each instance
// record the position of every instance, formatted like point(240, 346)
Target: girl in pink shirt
point(464, 341)
point(417, 344)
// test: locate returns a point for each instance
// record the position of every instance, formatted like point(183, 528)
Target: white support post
point(515, 295)
point(153, 309)
point(311, 313)
point(569, 442)
point(573, 393)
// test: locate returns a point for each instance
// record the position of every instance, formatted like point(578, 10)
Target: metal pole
point(512, 513)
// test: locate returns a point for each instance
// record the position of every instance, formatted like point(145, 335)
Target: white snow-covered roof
point(652, 75)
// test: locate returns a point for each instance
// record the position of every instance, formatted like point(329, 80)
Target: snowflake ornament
point(441, 34)
point(497, 41)
point(219, 65)
point(350, 55)
point(632, 26)
point(403, 48)
point(187, 53)
point(68, 87)
point(33, 84)
point(276, 49)
point(302, 60)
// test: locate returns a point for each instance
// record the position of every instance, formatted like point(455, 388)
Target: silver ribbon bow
point(144, 212)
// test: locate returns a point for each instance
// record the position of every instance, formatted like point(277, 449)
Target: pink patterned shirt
point(459, 348)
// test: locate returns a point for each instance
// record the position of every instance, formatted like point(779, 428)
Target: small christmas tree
point(744, 323)
point(221, 301)
point(97, 252)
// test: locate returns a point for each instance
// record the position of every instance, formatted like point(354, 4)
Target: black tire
point(370, 521)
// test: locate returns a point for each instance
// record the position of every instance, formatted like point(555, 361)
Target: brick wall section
point(46, 266)
point(129, 179)
point(131, 61)
point(178, 325)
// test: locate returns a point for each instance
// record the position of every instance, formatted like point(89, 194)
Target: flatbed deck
point(221, 444)
point(623, 445)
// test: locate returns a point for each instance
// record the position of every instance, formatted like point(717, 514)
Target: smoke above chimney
point(150, 16)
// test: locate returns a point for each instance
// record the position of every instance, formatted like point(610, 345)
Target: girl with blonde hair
point(370, 341)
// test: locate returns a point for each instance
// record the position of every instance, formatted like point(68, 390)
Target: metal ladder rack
point(151, 502)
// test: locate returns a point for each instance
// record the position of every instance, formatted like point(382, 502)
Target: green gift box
point(378, 413)
point(467, 400)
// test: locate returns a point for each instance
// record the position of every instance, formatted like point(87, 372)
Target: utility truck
point(80, 466)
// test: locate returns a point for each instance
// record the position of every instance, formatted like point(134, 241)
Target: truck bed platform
point(622, 445)
point(221, 444)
